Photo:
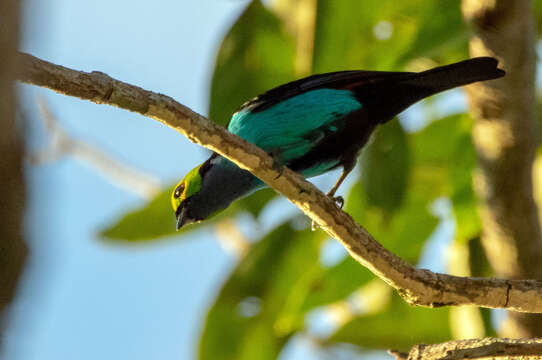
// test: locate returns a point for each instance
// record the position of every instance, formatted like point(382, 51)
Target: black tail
point(393, 96)
point(458, 74)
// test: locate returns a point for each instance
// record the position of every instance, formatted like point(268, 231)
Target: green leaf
point(403, 233)
point(441, 31)
point(463, 196)
point(383, 35)
point(399, 326)
point(478, 261)
point(486, 318)
point(406, 232)
point(436, 143)
point(256, 202)
point(445, 150)
point(537, 9)
point(336, 283)
point(256, 55)
point(442, 161)
point(385, 168)
point(274, 278)
point(156, 220)
point(402, 224)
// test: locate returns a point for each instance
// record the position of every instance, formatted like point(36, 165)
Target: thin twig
point(417, 286)
point(119, 174)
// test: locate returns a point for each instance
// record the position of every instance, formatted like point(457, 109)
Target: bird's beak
point(182, 217)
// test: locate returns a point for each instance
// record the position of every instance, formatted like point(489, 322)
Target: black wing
point(391, 92)
point(334, 80)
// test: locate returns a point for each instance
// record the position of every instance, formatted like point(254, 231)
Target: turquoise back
point(287, 129)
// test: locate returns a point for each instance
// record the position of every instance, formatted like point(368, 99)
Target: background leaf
point(156, 219)
point(385, 185)
point(256, 55)
point(336, 283)
point(272, 278)
point(381, 35)
point(399, 326)
point(444, 150)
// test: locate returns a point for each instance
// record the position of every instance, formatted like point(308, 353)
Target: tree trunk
point(12, 248)
point(505, 136)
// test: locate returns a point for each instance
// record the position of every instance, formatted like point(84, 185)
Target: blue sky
point(82, 298)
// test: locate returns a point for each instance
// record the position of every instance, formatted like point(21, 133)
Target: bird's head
point(182, 194)
point(210, 188)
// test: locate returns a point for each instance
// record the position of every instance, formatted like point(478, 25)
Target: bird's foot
point(339, 200)
point(278, 166)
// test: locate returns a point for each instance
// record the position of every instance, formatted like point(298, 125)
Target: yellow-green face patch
point(186, 187)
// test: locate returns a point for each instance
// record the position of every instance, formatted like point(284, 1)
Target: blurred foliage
point(444, 149)
point(479, 263)
point(257, 309)
point(336, 283)
point(385, 186)
point(385, 35)
point(256, 55)
point(157, 219)
point(280, 281)
point(406, 232)
point(397, 326)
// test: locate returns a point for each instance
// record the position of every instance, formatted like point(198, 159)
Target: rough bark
point(475, 349)
point(417, 286)
point(12, 248)
point(505, 136)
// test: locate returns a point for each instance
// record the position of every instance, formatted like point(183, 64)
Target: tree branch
point(118, 173)
point(506, 138)
point(13, 249)
point(474, 349)
point(417, 286)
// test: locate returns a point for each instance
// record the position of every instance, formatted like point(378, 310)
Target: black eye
point(179, 191)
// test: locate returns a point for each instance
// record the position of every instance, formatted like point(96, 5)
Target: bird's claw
point(339, 200)
point(279, 168)
point(277, 165)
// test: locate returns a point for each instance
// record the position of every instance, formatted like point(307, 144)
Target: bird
point(314, 125)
